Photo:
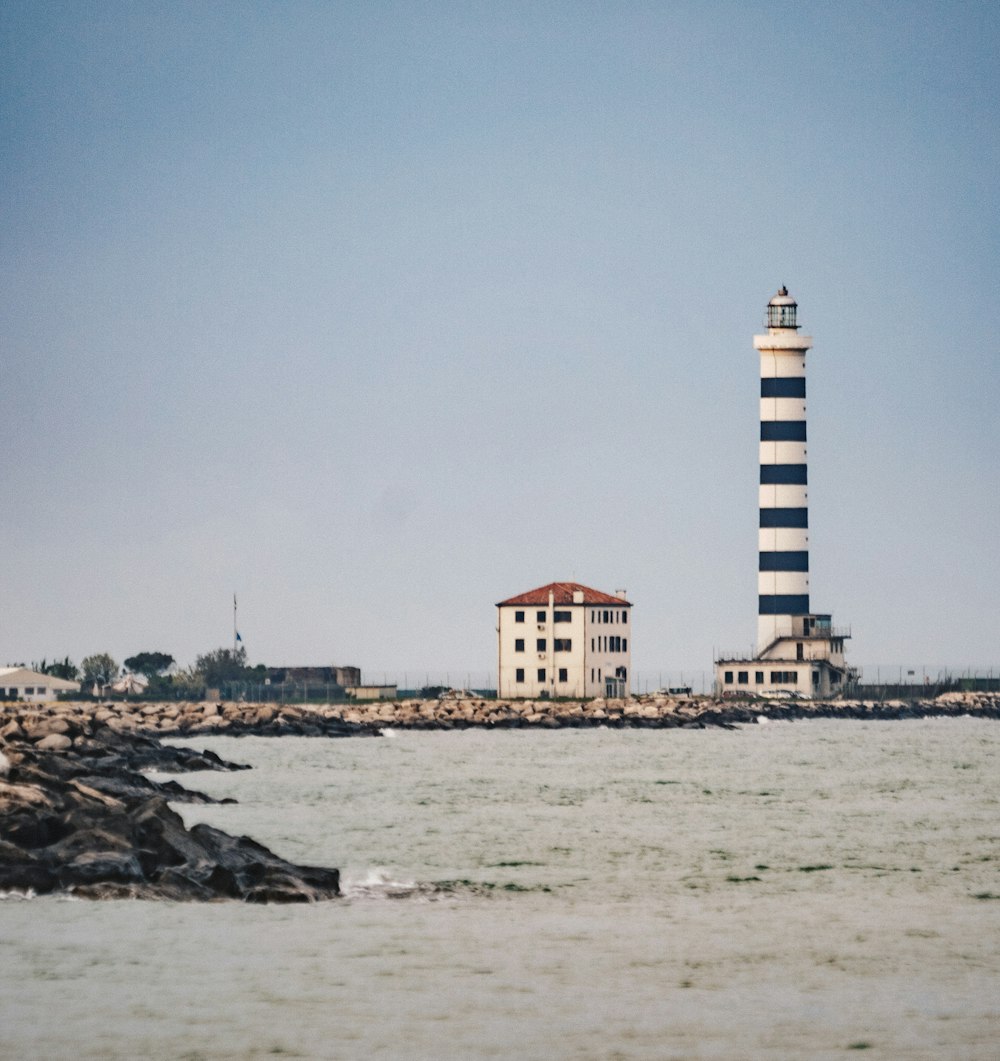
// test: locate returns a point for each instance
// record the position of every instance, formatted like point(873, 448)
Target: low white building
point(564, 639)
point(21, 683)
point(809, 662)
point(371, 692)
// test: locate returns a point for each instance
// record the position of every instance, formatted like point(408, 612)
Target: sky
point(376, 314)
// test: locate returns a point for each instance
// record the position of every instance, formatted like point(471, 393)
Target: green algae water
point(814, 889)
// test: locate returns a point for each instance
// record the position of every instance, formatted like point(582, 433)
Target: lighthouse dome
point(782, 310)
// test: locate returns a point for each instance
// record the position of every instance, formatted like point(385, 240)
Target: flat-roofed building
point(564, 640)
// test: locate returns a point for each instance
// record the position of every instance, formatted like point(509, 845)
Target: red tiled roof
point(563, 594)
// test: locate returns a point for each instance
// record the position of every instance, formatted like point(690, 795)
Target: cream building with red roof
point(564, 639)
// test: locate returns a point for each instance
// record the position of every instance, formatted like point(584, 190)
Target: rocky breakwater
point(650, 712)
point(193, 719)
point(77, 816)
point(465, 712)
point(468, 712)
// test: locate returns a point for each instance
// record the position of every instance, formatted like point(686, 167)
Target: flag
point(238, 638)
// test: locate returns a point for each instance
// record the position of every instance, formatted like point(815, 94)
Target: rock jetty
point(19, 722)
point(77, 815)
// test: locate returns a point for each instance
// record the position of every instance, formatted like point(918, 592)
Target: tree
point(185, 682)
point(58, 668)
point(222, 665)
point(63, 668)
point(149, 663)
point(101, 669)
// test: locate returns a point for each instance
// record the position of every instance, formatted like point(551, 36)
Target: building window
point(563, 644)
point(591, 647)
point(29, 690)
point(540, 644)
point(540, 616)
point(562, 617)
point(593, 615)
point(541, 674)
point(519, 675)
point(624, 644)
point(605, 619)
point(815, 677)
point(759, 677)
point(784, 677)
point(729, 677)
point(742, 677)
point(518, 617)
point(519, 644)
point(563, 674)
point(624, 616)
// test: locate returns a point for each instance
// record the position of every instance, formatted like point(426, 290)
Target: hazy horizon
point(379, 314)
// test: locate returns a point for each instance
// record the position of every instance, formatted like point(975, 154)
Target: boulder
point(54, 742)
point(45, 726)
point(11, 731)
point(82, 820)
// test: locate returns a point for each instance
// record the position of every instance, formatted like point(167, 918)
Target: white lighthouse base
point(805, 662)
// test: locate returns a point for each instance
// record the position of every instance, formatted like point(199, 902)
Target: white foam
point(376, 883)
point(29, 894)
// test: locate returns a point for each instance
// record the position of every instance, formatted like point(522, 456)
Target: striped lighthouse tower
point(783, 578)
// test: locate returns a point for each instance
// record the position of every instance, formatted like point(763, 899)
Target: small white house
point(564, 639)
point(21, 683)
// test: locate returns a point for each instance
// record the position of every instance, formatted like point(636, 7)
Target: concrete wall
point(372, 692)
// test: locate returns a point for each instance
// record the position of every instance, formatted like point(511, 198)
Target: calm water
point(787, 890)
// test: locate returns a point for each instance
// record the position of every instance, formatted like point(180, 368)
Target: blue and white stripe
point(783, 569)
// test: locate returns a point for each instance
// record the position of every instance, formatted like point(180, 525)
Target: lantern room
point(782, 310)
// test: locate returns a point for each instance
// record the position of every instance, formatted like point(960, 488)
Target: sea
point(810, 889)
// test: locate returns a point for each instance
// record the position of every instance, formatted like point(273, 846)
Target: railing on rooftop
point(830, 631)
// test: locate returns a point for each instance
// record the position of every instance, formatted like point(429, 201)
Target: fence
point(875, 682)
point(881, 682)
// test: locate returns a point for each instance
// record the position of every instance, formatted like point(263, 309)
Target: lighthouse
point(783, 570)
point(798, 652)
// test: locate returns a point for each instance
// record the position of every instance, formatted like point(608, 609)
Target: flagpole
point(235, 628)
